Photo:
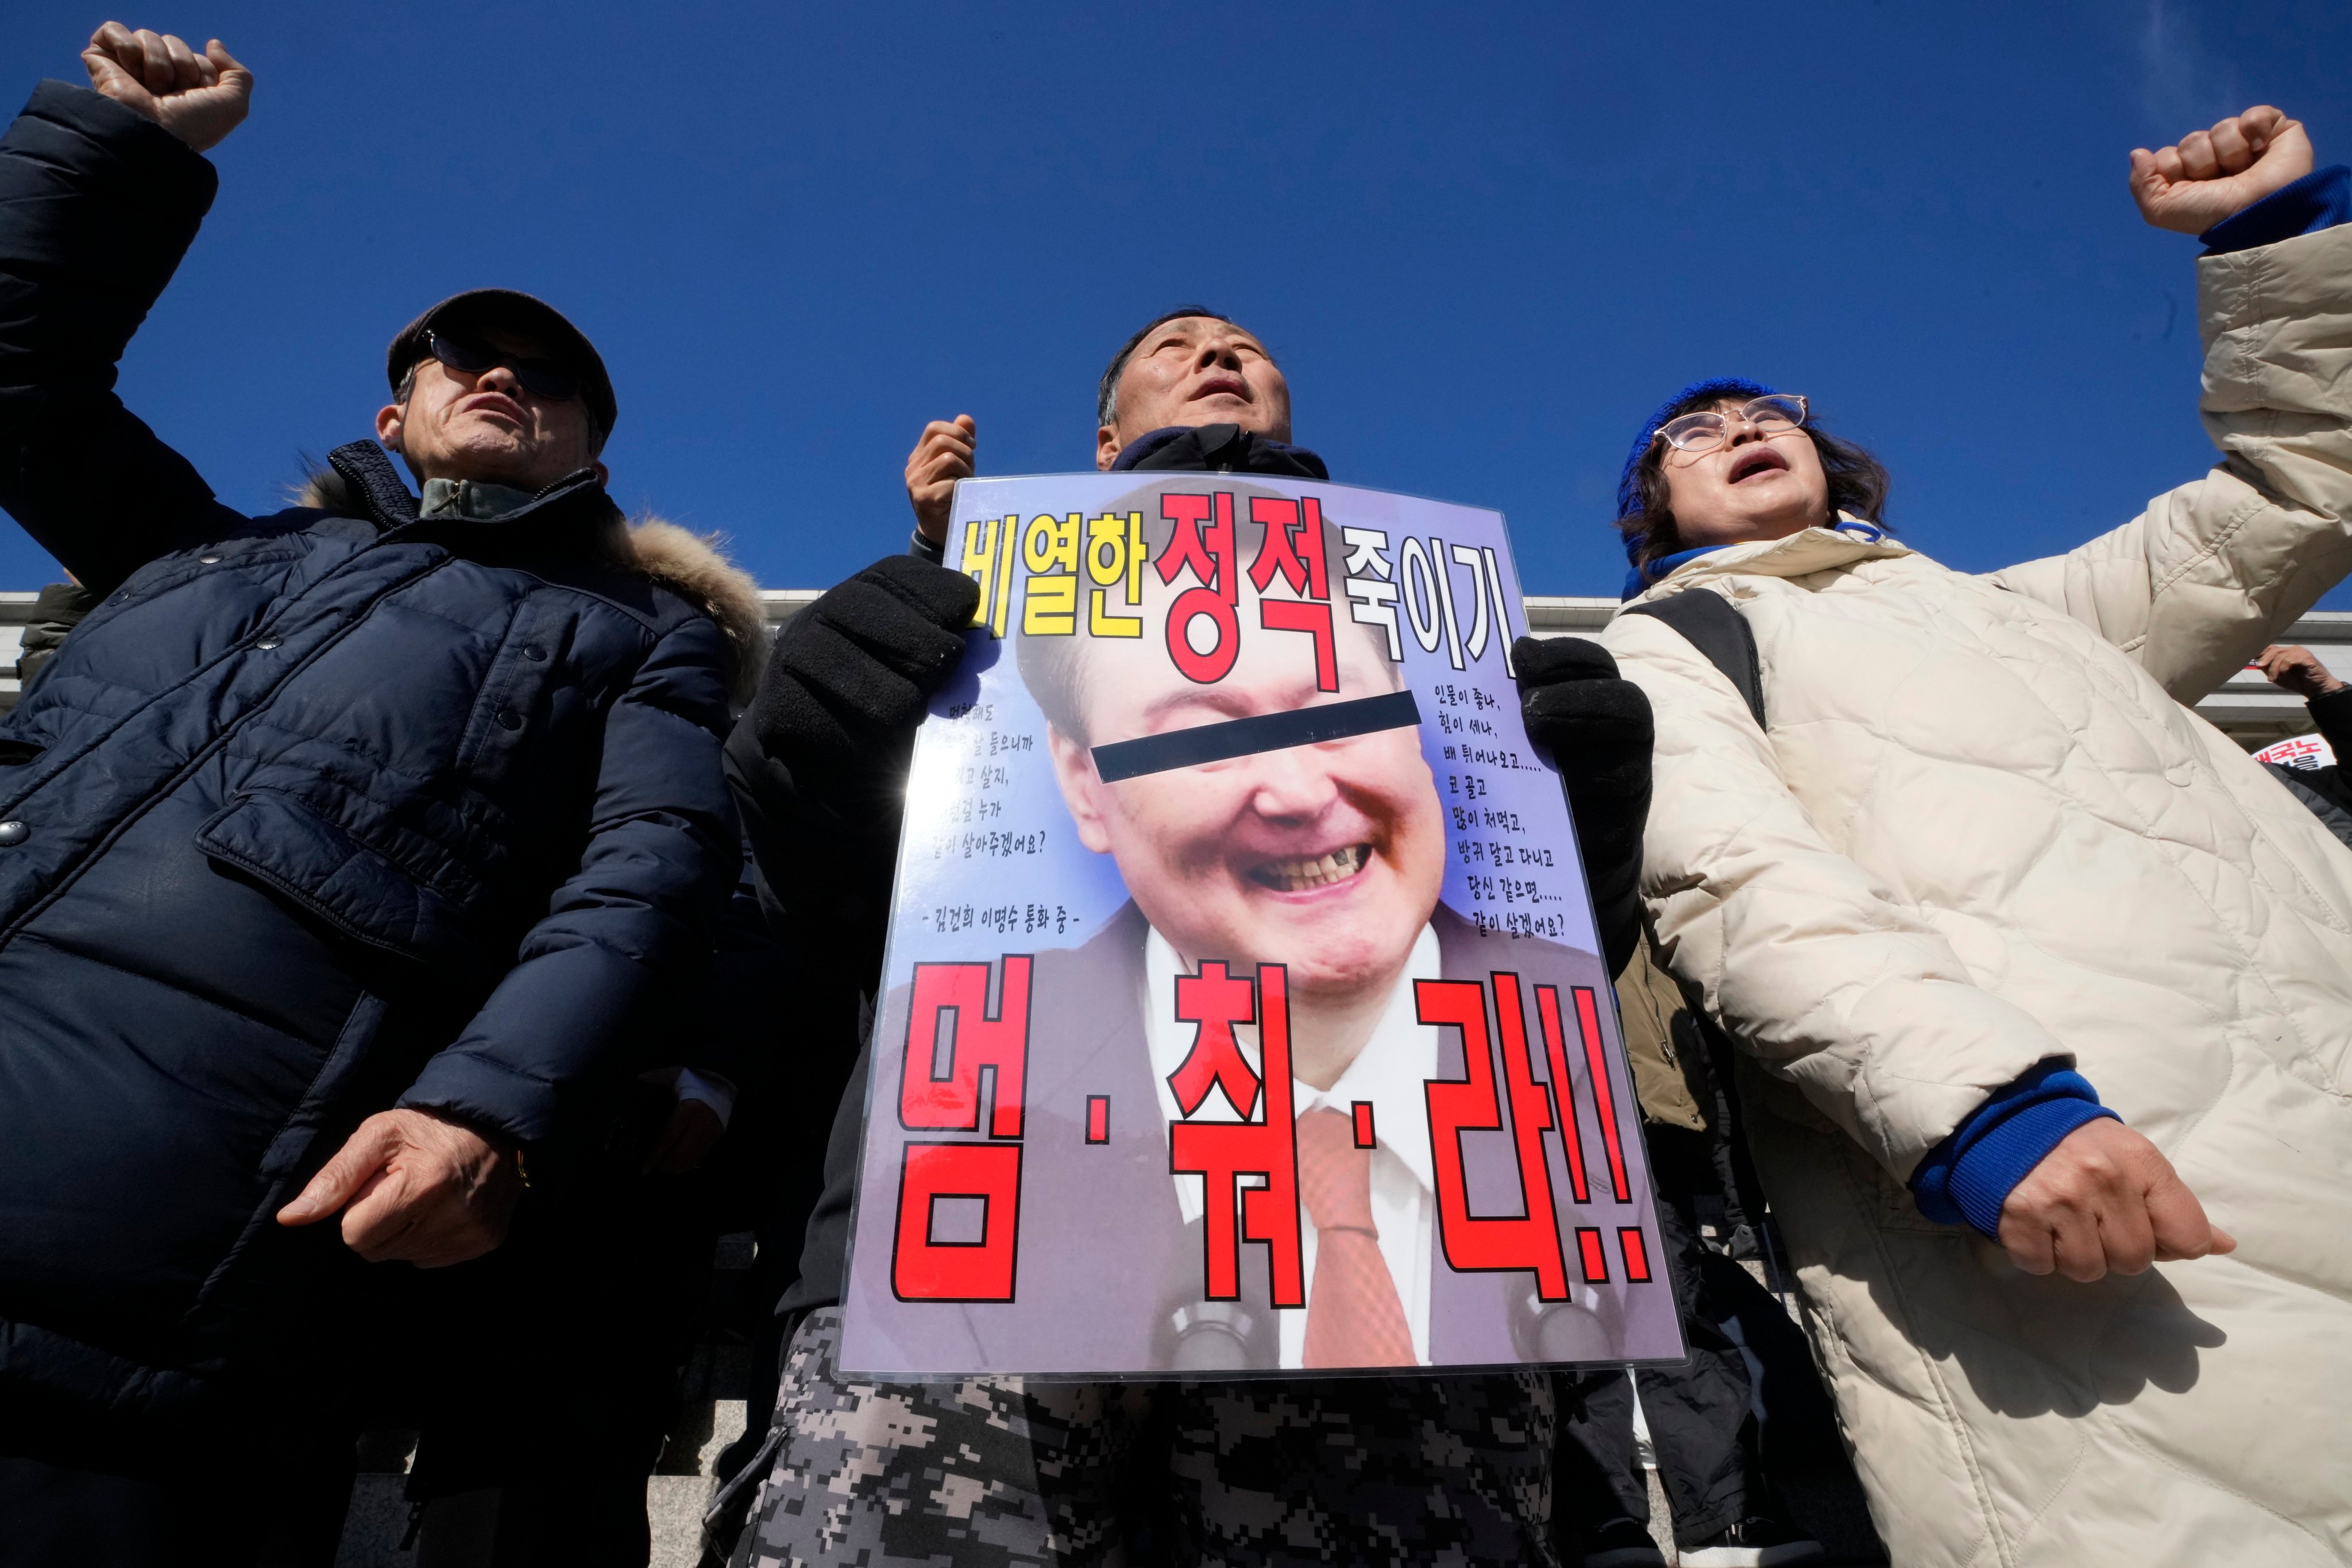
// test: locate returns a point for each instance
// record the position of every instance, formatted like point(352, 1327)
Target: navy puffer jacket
point(316, 814)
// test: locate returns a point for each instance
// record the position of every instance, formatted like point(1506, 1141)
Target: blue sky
point(1483, 240)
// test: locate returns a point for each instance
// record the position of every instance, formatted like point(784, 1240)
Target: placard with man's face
point(1242, 1013)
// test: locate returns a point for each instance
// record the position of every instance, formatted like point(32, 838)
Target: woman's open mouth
point(1306, 876)
point(1759, 460)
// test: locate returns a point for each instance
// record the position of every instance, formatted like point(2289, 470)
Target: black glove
point(850, 677)
point(1597, 728)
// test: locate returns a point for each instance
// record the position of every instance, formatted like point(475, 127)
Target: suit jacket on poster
point(1108, 1274)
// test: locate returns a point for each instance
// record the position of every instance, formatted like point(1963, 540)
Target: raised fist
point(197, 98)
point(2210, 174)
point(940, 458)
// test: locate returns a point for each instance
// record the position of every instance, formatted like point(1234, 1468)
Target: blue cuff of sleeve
point(1965, 1179)
point(2320, 199)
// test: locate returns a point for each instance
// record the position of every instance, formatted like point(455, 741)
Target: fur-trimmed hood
point(692, 565)
point(695, 567)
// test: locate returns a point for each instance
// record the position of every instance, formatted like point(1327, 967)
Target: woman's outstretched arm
point(2214, 569)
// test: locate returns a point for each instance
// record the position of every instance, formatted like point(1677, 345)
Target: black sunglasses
point(542, 378)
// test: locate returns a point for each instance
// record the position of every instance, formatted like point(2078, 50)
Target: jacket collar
point(1809, 550)
point(378, 493)
point(1218, 449)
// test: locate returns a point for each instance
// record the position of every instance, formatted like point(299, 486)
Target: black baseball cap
point(491, 310)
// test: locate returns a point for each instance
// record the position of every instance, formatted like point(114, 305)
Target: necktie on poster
point(1242, 1012)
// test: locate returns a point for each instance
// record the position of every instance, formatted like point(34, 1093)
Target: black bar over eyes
point(1259, 733)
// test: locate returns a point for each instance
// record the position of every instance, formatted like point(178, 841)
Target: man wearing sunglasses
point(347, 854)
point(496, 383)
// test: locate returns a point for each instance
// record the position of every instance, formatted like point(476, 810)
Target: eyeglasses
point(542, 378)
point(1705, 431)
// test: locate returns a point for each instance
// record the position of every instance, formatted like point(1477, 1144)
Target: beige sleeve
point(2197, 584)
point(1810, 962)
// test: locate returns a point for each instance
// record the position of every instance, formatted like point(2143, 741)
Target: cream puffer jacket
point(1983, 830)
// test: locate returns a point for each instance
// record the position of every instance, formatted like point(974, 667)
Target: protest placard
point(1242, 1011)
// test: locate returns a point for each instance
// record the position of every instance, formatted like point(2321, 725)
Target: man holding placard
point(906, 1470)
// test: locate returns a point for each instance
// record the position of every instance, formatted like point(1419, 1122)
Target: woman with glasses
point(2043, 987)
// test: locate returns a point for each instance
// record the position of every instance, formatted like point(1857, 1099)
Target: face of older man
point(1193, 371)
point(487, 426)
point(1328, 858)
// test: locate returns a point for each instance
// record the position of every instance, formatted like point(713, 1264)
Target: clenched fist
point(2210, 174)
point(197, 98)
point(940, 458)
point(2106, 1200)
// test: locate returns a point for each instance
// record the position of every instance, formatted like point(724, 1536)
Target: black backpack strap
point(1709, 624)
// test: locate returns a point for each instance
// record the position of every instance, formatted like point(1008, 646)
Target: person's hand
point(197, 98)
point(851, 676)
point(1598, 727)
point(2296, 670)
point(2210, 174)
point(940, 458)
point(2104, 1201)
point(419, 1189)
point(686, 1140)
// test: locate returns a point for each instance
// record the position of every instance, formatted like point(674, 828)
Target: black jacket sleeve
point(2333, 714)
point(97, 203)
point(823, 875)
point(735, 1026)
point(823, 883)
point(643, 908)
point(819, 762)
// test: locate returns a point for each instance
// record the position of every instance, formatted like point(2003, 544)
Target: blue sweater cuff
point(1967, 1178)
point(2320, 199)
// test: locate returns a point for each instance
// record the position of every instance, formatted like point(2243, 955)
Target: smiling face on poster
point(1242, 1012)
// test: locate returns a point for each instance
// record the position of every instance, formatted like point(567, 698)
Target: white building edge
point(2246, 708)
